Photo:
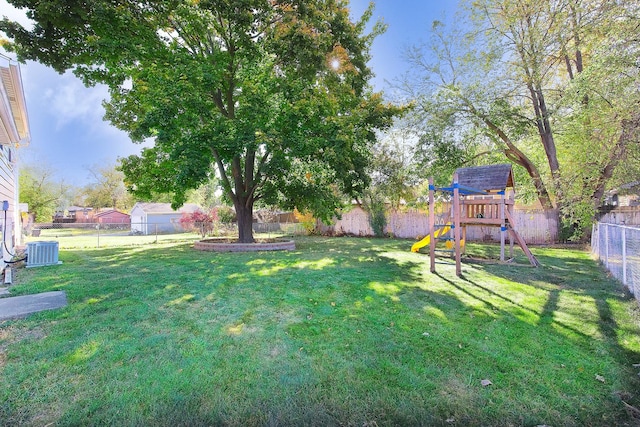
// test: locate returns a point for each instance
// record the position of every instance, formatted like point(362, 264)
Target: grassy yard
point(342, 331)
point(77, 238)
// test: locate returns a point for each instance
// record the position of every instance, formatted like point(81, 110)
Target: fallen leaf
point(333, 304)
point(600, 378)
point(486, 383)
point(425, 334)
point(636, 365)
point(450, 420)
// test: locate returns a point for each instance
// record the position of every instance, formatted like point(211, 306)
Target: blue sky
point(68, 133)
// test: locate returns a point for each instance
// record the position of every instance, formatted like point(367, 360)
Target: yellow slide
point(424, 242)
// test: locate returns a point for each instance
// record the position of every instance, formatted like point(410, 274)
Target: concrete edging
point(225, 246)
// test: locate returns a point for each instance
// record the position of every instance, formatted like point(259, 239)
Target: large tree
point(551, 86)
point(107, 189)
point(42, 191)
point(272, 93)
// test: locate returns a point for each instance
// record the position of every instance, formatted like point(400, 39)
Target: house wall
point(114, 218)
point(8, 192)
point(154, 223)
point(138, 220)
point(163, 223)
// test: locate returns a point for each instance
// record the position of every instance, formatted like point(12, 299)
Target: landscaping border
point(223, 245)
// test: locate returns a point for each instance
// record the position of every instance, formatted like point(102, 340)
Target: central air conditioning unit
point(42, 253)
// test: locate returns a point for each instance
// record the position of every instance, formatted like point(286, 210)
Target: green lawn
point(76, 238)
point(342, 331)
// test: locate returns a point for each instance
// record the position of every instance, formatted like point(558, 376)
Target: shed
point(151, 218)
point(491, 178)
point(112, 216)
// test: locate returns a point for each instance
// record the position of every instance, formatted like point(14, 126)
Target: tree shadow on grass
point(333, 310)
point(571, 276)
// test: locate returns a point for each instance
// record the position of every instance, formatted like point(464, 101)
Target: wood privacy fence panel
point(625, 215)
point(355, 222)
point(535, 226)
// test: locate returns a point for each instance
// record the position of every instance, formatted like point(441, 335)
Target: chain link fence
point(618, 248)
point(96, 235)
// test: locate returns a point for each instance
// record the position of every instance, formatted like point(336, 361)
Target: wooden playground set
point(480, 196)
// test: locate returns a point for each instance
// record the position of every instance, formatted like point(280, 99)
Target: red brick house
point(112, 216)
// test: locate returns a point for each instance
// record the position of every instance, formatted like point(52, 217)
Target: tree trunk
point(244, 215)
point(514, 154)
point(630, 135)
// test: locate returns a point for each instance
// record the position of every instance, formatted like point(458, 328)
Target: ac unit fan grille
point(42, 253)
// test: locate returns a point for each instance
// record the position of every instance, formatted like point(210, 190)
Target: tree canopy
point(550, 86)
point(270, 95)
point(41, 191)
point(106, 189)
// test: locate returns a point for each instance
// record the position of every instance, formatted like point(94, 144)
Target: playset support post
point(456, 223)
point(432, 225)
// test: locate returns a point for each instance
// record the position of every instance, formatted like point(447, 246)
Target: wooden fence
point(536, 226)
point(623, 215)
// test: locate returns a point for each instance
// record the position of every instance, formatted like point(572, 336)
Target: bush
point(307, 220)
point(200, 222)
point(226, 214)
point(377, 216)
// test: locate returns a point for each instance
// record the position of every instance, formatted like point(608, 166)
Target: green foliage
point(226, 214)
point(41, 191)
point(207, 195)
point(307, 220)
point(394, 171)
point(549, 86)
point(376, 207)
point(107, 190)
point(266, 92)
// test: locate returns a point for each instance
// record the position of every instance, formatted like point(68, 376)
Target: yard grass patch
point(341, 331)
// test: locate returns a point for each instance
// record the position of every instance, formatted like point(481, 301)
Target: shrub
point(307, 220)
point(376, 208)
point(200, 222)
point(226, 214)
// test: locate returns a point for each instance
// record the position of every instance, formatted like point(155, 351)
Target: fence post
point(156, 226)
point(624, 256)
point(98, 228)
point(606, 246)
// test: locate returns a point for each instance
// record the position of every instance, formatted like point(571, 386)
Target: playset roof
point(489, 178)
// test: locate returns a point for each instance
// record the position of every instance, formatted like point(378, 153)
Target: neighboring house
point(74, 214)
point(151, 218)
point(112, 216)
point(626, 195)
point(14, 133)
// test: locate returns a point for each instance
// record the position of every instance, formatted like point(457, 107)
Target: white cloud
point(63, 98)
point(15, 14)
point(70, 101)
